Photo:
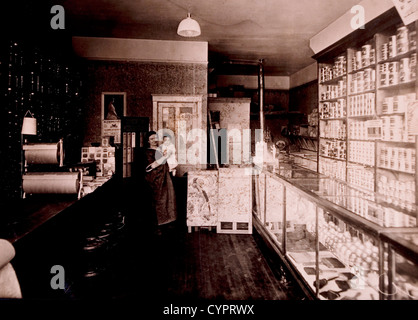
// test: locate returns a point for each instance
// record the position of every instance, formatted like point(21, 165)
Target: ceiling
point(277, 31)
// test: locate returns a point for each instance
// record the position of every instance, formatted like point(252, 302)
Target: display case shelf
point(370, 66)
point(327, 229)
point(333, 81)
point(398, 57)
point(403, 85)
point(333, 119)
point(351, 94)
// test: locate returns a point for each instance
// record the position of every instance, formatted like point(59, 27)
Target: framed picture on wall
point(113, 109)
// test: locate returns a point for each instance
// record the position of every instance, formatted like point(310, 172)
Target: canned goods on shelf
point(392, 47)
point(402, 40)
point(404, 70)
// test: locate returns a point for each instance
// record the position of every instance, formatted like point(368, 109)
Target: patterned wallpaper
point(139, 80)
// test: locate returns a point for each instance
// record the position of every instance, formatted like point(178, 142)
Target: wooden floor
point(190, 266)
point(224, 266)
point(176, 264)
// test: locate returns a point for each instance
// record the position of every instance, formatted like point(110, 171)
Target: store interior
point(295, 127)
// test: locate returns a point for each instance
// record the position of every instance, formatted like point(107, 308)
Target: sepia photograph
point(191, 158)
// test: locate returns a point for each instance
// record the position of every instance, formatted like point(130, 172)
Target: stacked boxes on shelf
point(398, 159)
point(394, 122)
point(396, 151)
point(333, 168)
point(380, 75)
point(362, 105)
point(333, 130)
point(362, 152)
point(402, 192)
point(361, 177)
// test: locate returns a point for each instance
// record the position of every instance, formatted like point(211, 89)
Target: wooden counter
point(23, 216)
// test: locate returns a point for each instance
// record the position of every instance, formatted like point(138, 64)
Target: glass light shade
point(188, 27)
point(29, 126)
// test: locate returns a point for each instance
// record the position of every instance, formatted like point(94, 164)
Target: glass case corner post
point(284, 220)
point(391, 273)
point(28, 128)
point(316, 252)
point(382, 290)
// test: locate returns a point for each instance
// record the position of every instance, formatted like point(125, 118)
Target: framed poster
point(113, 109)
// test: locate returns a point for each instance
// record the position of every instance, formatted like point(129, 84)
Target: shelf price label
point(374, 129)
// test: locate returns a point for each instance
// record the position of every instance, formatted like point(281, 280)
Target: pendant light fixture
point(188, 27)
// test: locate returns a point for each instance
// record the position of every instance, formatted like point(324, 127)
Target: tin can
point(393, 73)
point(373, 80)
point(367, 79)
point(413, 66)
point(360, 81)
point(341, 88)
point(353, 83)
point(358, 59)
point(388, 105)
point(384, 74)
point(340, 65)
point(404, 70)
point(392, 46)
point(412, 40)
point(372, 56)
point(334, 71)
point(385, 51)
point(353, 64)
point(365, 55)
point(402, 40)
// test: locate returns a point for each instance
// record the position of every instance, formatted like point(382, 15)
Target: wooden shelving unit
point(366, 81)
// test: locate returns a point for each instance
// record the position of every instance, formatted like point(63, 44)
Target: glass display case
point(400, 249)
point(328, 233)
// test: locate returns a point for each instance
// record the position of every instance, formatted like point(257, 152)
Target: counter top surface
point(22, 216)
